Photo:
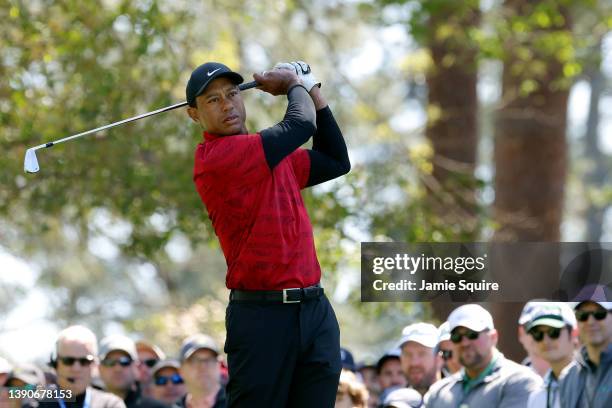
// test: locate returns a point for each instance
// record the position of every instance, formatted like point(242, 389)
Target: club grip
point(247, 85)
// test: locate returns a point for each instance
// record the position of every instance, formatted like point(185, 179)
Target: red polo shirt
point(257, 213)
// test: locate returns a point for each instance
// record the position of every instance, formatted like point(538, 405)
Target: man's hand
point(278, 81)
point(303, 72)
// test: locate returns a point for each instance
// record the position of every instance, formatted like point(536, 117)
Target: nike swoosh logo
point(210, 73)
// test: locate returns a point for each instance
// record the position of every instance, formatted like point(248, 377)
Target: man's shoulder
point(511, 371)
point(104, 399)
point(444, 384)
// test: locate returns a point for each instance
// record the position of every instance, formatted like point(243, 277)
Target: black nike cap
point(204, 74)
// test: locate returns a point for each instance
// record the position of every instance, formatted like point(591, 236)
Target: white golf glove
point(303, 71)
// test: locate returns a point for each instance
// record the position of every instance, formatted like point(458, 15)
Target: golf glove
point(303, 71)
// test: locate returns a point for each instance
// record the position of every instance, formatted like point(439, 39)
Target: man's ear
point(193, 114)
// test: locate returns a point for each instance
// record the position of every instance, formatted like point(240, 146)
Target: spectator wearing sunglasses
point(200, 368)
point(450, 361)
point(74, 360)
point(420, 361)
point(553, 330)
point(168, 385)
point(587, 381)
point(487, 378)
point(148, 354)
point(533, 359)
point(119, 372)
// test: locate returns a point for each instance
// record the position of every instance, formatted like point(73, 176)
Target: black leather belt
point(292, 295)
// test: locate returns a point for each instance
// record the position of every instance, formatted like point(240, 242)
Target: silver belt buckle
point(285, 296)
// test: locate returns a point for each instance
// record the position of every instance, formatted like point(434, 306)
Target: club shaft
point(242, 87)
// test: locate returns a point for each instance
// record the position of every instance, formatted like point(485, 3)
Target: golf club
point(30, 163)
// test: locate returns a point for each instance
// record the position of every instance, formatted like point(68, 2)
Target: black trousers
point(282, 355)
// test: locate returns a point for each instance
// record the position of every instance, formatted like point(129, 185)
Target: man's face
point(220, 109)
point(170, 391)
point(201, 369)
point(593, 332)
point(76, 376)
point(473, 354)
point(419, 364)
point(450, 358)
point(391, 374)
point(144, 370)
point(118, 371)
point(550, 349)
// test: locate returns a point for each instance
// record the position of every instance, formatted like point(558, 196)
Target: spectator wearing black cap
point(348, 362)
point(587, 381)
point(389, 370)
point(119, 372)
point(168, 384)
point(200, 369)
point(149, 354)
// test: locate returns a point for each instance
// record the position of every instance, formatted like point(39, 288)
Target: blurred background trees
point(456, 115)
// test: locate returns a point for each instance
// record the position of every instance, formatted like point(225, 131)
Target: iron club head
point(30, 164)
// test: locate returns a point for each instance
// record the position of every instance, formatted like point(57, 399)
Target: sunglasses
point(446, 354)
point(174, 379)
point(470, 334)
point(150, 362)
point(83, 361)
point(583, 315)
point(538, 335)
point(122, 361)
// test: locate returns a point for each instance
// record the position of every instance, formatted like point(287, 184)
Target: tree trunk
point(530, 158)
point(452, 125)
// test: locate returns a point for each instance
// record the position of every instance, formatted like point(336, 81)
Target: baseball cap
point(528, 309)
point(164, 364)
point(348, 362)
point(196, 342)
point(5, 366)
point(398, 397)
point(596, 293)
point(422, 333)
point(553, 314)
point(204, 75)
point(444, 332)
point(145, 345)
point(28, 373)
point(118, 342)
point(472, 316)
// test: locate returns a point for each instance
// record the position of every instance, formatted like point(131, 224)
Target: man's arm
point(299, 122)
point(329, 156)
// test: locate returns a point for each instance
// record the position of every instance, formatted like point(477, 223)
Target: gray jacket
point(508, 385)
point(584, 385)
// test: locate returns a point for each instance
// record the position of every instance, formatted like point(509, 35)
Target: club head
point(30, 164)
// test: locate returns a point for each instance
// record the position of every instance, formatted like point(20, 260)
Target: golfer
point(283, 339)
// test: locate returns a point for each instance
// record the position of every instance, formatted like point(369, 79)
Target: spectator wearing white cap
point(533, 359)
point(553, 330)
point(389, 370)
point(168, 384)
point(450, 361)
point(149, 354)
point(420, 361)
point(587, 381)
point(200, 368)
point(487, 378)
point(119, 371)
